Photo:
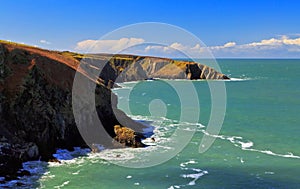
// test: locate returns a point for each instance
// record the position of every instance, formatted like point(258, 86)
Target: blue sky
point(249, 28)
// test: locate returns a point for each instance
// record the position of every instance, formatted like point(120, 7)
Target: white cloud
point(284, 46)
point(196, 47)
point(226, 45)
point(174, 50)
point(265, 42)
point(288, 41)
point(43, 41)
point(152, 47)
point(229, 44)
point(284, 40)
point(108, 46)
point(178, 46)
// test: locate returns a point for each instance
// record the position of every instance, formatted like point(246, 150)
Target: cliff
point(121, 68)
point(36, 98)
point(36, 114)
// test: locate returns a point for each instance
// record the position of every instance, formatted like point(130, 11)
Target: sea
point(255, 144)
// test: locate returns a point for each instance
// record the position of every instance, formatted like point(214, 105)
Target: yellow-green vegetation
point(121, 57)
point(181, 64)
point(123, 133)
point(16, 44)
point(72, 54)
point(126, 136)
point(110, 57)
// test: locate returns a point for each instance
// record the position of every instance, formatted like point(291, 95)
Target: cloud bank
point(43, 41)
point(283, 46)
point(108, 46)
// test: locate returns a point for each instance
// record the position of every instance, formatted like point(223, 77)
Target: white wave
point(242, 160)
point(194, 176)
point(36, 169)
point(163, 79)
point(197, 173)
point(149, 141)
point(63, 154)
point(62, 185)
point(269, 152)
point(67, 157)
point(246, 144)
point(238, 79)
point(173, 187)
point(116, 155)
point(79, 156)
point(124, 85)
point(269, 173)
point(46, 176)
point(184, 164)
point(238, 141)
point(189, 129)
point(128, 82)
point(76, 173)
point(165, 123)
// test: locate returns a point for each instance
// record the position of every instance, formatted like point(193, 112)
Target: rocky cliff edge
point(36, 98)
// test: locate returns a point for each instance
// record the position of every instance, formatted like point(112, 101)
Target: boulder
point(128, 137)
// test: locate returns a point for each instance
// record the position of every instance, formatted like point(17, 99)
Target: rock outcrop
point(128, 137)
point(36, 114)
point(122, 68)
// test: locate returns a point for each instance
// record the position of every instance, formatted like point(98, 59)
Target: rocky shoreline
point(36, 114)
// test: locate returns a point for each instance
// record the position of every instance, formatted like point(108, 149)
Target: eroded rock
point(128, 137)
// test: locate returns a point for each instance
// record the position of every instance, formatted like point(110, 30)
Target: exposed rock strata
point(122, 68)
point(36, 98)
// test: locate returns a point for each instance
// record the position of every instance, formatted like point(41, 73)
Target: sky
point(227, 28)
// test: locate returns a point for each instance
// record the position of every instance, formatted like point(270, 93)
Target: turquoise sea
point(258, 145)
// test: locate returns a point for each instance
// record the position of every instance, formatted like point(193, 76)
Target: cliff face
point(36, 114)
point(122, 68)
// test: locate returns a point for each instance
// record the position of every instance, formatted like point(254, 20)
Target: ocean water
point(258, 145)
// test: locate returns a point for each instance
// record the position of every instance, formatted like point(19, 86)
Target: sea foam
point(239, 79)
point(247, 145)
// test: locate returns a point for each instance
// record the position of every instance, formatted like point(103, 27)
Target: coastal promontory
point(36, 114)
